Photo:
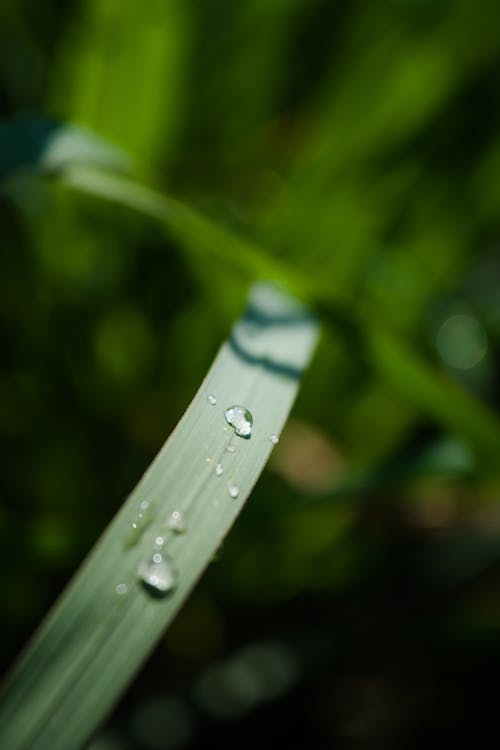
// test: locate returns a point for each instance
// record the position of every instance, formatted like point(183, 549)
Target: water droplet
point(176, 522)
point(219, 470)
point(274, 439)
point(140, 522)
point(230, 448)
point(143, 517)
point(159, 542)
point(240, 419)
point(211, 400)
point(121, 589)
point(158, 575)
point(233, 490)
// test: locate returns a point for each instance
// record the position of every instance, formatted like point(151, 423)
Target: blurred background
point(357, 145)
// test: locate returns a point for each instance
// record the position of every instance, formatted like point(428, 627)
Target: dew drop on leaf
point(240, 419)
point(141, 521)
point(158, 575)
point(176, 522)
point(159, 542)
point(121, 589)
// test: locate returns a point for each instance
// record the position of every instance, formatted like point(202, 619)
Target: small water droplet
point(159, 542)
point(211, 400)
point(219, 470)
point(140, 522)
point(176, 522)
point(230, 448)
point(121, 589)
point(240, 419)
point(158, 575)
point(233, 490)
point(274, 439)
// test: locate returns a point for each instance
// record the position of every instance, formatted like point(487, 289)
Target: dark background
point(356, 602)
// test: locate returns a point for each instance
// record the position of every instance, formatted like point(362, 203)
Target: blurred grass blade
point(121, 71)
point(49, 146)
point(98, 635)
point(436, 393)
point(385, 351)
point(80, 157)
point(195, 232)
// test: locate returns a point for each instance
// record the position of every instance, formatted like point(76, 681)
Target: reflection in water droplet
point(462, 341)
point(219, 470)
point(211, 400)
point(158, 575)
point(240, 419)
point(234, 490)
point(121, 589)
point(176, 522)
point(274, 439)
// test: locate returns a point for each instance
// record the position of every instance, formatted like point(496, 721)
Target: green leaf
point(96, 637)
point(121, 73)
point(49, 146)
point(434, 392)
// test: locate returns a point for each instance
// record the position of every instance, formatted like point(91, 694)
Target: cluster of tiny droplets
point(158, 574)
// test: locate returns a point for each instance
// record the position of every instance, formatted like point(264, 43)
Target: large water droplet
point(240, 419)
point(211, 400)
point(176, 522)
point(233, 490)
point(158, 575)
point(219, 470)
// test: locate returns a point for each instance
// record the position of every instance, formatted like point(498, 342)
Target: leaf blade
point(94, 641)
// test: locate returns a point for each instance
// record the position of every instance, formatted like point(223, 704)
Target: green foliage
point(106, 623)
point(159, 158)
